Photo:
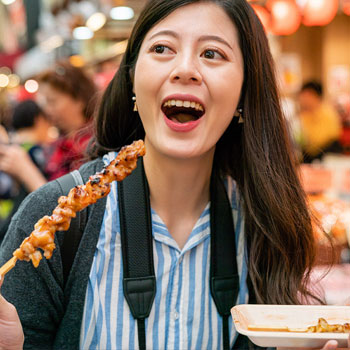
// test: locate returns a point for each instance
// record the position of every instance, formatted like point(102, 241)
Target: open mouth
point(180, 111)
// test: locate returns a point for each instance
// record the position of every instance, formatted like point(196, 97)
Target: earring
point(135, 105)
point(238, 114)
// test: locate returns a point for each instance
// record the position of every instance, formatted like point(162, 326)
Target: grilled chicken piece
point(77, 199)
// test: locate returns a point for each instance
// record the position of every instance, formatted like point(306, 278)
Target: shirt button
point(180, 259)
point(176, 315)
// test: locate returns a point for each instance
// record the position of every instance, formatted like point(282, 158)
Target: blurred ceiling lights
point(263, 15)
point(4, 80)
point(96, 21)
point(346, 7)
point(285, 16)
point(77, 61)
point(82, 33)
point(8, 2)
point(31, 86)
point(14, 80)
point(8, 79)
point(319, 12)
point(122, 13)
point(51, 43)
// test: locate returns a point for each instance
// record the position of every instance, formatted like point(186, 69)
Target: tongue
point(182, 118)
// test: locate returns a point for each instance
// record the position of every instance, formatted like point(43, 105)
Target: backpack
point(139, 280)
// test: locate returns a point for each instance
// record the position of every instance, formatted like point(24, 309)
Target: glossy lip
point(183, 127)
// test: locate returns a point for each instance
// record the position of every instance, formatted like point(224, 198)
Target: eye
point(160, 49)
point(212, 54)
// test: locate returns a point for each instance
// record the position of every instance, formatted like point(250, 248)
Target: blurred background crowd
point(57, 57)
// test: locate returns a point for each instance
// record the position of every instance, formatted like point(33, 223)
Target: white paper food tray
point(292, 316)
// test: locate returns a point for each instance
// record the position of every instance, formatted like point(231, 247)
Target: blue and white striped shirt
point(183, 314)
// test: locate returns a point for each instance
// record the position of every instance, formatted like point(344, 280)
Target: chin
point(183, 150)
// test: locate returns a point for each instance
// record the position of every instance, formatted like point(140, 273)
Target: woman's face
point(65, 112)
point(188, 80)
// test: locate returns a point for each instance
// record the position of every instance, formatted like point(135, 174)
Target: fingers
point(13, 159)
point(7, 310)
point(11, 332)
point(331, 345)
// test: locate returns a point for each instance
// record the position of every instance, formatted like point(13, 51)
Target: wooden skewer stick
point(4, 269)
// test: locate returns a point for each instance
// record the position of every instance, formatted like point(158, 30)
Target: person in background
point(320, 123)
point(68, 96)
point(191, 73)
point(22, 158)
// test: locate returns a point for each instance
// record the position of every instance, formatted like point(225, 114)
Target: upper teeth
point(180, 103)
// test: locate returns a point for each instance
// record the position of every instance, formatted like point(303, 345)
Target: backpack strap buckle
point(139, 293)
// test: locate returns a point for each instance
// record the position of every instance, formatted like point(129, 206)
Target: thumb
point(11, 333)
point(331, 345)
point(7, 311)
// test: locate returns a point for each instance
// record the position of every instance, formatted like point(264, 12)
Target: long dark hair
point(258, 155)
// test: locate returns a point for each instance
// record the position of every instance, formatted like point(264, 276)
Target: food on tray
point(77, 199)
point(287, 325)
point(324, 327)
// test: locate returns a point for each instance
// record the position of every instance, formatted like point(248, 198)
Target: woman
point(190, 66)
point(68, 96)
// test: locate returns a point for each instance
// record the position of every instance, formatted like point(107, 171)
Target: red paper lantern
point(346, 7)
point(319, 12)
point(264, 16)
point(285, 16)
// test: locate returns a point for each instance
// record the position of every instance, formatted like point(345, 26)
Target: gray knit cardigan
point(51, 313)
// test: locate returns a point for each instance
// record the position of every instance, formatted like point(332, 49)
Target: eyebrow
point(202, 38)
point(165, 32)
point(215, 38)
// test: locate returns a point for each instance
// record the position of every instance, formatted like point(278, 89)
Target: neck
point(179, 190)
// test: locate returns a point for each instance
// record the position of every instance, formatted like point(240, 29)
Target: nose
point(186, 70)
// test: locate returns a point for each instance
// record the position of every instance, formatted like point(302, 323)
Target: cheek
point(146, 112)
point(146, 89)
point(227, 100)
point(227, 85)
point(222, 123)
point(58, 104)
point(145, 80)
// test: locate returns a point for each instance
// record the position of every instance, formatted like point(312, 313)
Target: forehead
point(201, 17)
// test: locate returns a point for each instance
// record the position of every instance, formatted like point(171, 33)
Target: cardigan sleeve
point(37, 293)
point(50, 314)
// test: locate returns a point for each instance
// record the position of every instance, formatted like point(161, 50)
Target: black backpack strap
point(73, 236)
point(136, 238)
point(139, 280)
point(224, 278)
